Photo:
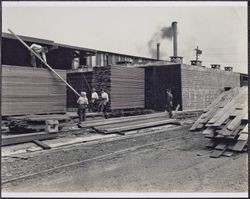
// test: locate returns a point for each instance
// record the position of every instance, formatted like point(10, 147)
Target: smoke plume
point(163, 33)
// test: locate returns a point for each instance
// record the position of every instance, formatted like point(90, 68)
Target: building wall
point(244, 79)
point(200, 86)
point(27, 90)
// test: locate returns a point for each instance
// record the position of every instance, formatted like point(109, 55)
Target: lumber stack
point(124, 85)
point(80, 81)
point(31, 123)
point(225, 121)
point(101, 80)
point(27, 90)
point(123, 124)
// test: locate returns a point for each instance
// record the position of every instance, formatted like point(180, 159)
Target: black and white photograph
point(124, 99)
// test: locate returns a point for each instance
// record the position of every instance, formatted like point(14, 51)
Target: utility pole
point(198, 52)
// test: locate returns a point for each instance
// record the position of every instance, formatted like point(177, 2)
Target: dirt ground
point(170, 161)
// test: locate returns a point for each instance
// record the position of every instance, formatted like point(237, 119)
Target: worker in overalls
point(40, 50)
point(169, 104)
point(104, 102)
point(82, 105)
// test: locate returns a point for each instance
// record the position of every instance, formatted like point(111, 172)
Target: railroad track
point(101, 157)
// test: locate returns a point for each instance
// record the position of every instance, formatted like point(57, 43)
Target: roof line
point(50, 42)
point(29, 39)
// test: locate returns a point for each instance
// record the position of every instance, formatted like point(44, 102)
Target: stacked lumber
point(124, 85)
point(31, 123)
point(101, 80)
point(27, 90)
point(225, 121)
point(127, 88)
point(80, 81)
point(123, 124)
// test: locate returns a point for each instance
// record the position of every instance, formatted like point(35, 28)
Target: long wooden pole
point(38, 56)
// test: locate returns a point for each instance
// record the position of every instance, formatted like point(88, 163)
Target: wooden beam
point(28, 137)
point(142, 125)
point(41, 144)
point(121, 120)
point(45, 63)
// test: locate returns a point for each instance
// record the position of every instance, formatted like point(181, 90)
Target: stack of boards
point(124, 124)
point(124, 85)
point(27, 90)
point(226, 122)
point(31, 123)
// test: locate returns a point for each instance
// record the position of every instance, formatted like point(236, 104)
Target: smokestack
point(158, 51)
point(174, 28)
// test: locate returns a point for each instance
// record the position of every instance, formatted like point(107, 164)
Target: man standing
point(82, 105)
point(169, 104)
point(40, 51)
point(93, 102)
point(103, 103)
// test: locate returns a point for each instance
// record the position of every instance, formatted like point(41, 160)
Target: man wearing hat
point(82, 105)
point(169, 104)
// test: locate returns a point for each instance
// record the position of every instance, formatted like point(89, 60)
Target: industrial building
point(193, 86)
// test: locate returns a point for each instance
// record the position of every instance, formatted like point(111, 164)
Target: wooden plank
point(211, 135)
point(245, 118)
point(243, 136)
point(239, 146)
point(237, 120)
point(121, 119)
point(224, 113)
point(235, 133)
point(211, 144)
point(41, 144)
point(217, 153)
point(245, 130)
point(208, 131)
point(221, 146)
point(17, 139)
point(143, 125)
point(129, 123)
point(227, 154)
point(213, 108)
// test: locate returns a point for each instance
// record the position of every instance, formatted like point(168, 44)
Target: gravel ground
point(179, 163)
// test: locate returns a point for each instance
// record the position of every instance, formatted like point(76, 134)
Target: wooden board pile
point(27, 90)
point(80, 81)
point(124, 85)
point(188, 114)
point(225, 122)
point(31, 123)
point(123, 124)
